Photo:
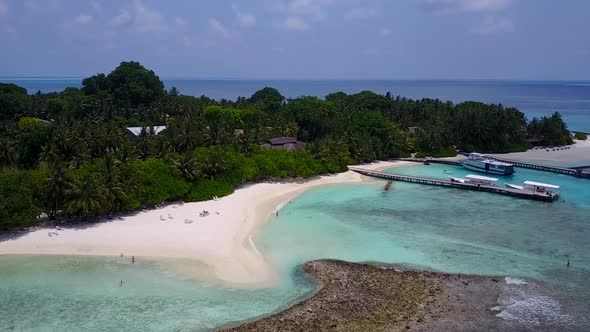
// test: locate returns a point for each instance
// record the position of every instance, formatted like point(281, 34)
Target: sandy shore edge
point(175, 234)
point(577, 153)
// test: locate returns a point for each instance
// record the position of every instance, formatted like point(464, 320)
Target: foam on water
point(528, 306)
point(515, 281)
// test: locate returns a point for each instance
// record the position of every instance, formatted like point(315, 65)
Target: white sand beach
point(579, 151)
point(223, 240)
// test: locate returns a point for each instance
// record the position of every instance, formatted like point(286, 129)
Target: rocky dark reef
point(371, 297)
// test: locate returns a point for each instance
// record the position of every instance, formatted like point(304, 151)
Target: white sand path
point(223, 240)
point(579, 151)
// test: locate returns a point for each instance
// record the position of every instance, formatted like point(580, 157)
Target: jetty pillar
point(388, 185)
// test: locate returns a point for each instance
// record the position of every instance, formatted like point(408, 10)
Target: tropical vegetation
point(69, 155)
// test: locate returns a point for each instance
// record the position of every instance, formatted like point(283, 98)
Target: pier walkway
point(431, 160)
point(544, 168)
point(573, 171)
point(526, 194)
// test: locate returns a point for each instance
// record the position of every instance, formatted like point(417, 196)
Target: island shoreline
point(222, 241)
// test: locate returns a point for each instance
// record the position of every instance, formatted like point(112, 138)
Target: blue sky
point(330, 39)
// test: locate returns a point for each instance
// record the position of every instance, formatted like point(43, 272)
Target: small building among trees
point(136, 131)
point(284, 143)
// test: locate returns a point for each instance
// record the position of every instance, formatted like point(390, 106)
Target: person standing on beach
point(132, 259)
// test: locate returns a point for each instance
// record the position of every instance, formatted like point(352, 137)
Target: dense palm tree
point(144, 143)
point(7, 153)
point(124, 153)
point(187, 165)
point(111, 181)
point(56, 185)
point(86, 197)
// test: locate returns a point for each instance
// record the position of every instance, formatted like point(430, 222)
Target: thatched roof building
point(284, 143)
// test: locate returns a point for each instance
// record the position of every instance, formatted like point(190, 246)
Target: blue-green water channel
point(427, 227)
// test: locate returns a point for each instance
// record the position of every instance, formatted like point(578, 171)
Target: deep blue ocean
point(534, 98)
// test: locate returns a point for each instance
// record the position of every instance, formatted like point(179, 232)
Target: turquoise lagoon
point(419, 226)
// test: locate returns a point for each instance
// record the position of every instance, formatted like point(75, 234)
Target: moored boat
point(458, 180)
point(480, 180)
point(475, 179)
point(479, 163)
point(538, 188)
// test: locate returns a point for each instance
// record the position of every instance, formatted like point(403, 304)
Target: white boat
point(479, 180)
point(479, 163)
point(541, 188)
point(538, 188)
point(475, 179)
point(459, 180)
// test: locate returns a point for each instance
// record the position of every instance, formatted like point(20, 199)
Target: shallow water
point(452, 230)
point(427, 227)
point(57, 293)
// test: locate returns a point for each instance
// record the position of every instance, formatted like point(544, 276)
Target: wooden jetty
point(431, 160)
point(573, 171)
point(544, 168)
point(526, 194)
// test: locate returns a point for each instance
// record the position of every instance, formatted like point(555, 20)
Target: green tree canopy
point(130, 83)
point(268, 99)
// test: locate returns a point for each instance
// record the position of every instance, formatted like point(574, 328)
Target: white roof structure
point(457, 179)
point(480, 178)
point(485, 159)
point(539, 184)
point(154, 130)
point(495, 162)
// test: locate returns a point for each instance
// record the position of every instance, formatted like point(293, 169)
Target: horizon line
point(316, 79)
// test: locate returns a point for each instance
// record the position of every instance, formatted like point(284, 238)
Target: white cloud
point(313, 8)
point(147, 19)
point(300, 12)
point(218, 27)
point(245, 20)
point(3, 8)
point(491, 25)
point(83, 19)
point(122, 18)
point(295, 23)
point(96, 6)
point(385, 32)
point(360, 13)
point(467, 5)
